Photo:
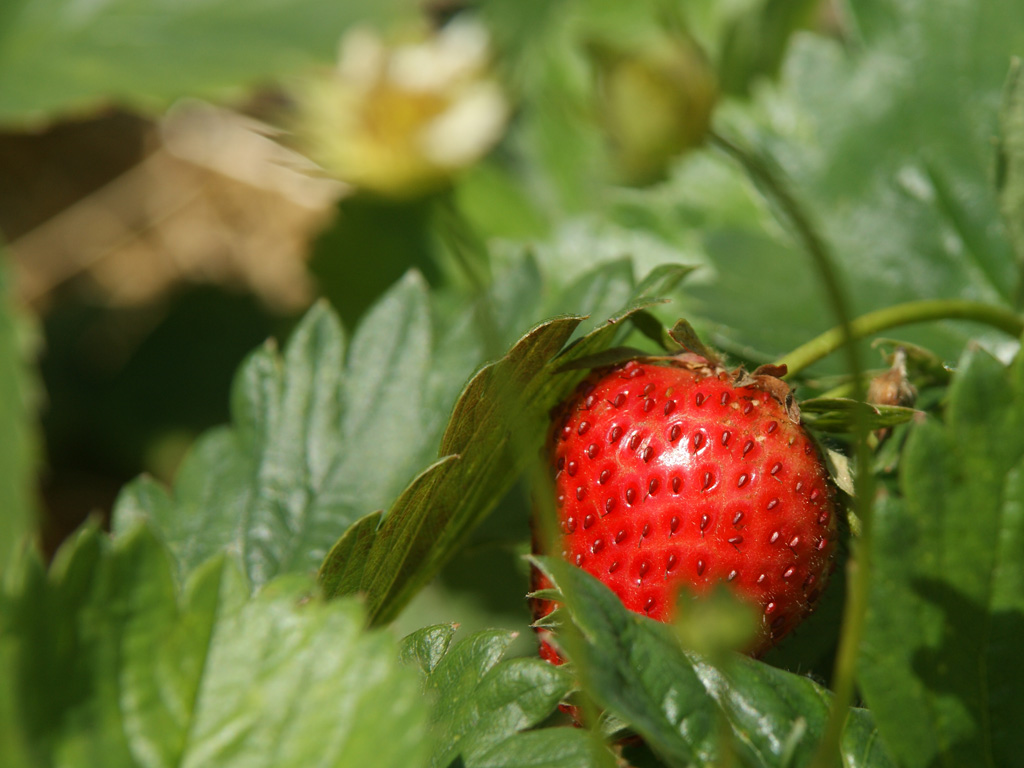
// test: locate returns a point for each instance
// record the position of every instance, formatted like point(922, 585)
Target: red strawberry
point(683, 474)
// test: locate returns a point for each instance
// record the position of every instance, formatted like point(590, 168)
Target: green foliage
point(483, 705)
point(902, 194)
point(297, 467)
point(840, 414)
point(58, 56)
point(1010, 166)
point(497, 424)
point(754, 42)
point(238, 487)
point(438, 508)
point(941, 666)
point(391, 456)
point(107, 662)
point(323, 436)
point(679, 702)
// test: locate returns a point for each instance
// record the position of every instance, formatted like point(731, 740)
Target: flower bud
point(655, 104)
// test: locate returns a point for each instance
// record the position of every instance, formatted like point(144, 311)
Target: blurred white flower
point(401, 120)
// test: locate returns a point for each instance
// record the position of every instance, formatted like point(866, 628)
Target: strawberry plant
point(675, 343)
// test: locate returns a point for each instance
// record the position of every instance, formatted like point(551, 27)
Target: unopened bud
point(655, 104)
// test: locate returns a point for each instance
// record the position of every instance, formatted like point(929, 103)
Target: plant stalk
point(898, 315)
point(769, 181)
point(472, 264)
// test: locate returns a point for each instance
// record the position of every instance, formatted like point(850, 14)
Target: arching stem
point(769, 181)
point(898, 315)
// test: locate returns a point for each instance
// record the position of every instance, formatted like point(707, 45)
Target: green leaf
point(754, 43)
point(58, 56)
point(261, 488)
point(319, 440)
point(399, 234)
point(17, 449)
point(497, 424)
point(841, 414)
point(343, 571)
point(682, 333)
point(547, 748)
point(517, 301)
point(918, 180)
point(662, 280)
point(598, 293)
point(426, 647)
point(111, 664)
point(940, 663)
point(424, 526)
point(560, 144)
point(676, 700)
point(1010, 167)
point(483, 705)
point(384, 395)
point(610, 356)
point(397, 560)
point(496, 204)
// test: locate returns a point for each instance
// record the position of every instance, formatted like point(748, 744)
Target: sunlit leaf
point(483, 706)
point(676, 700)
point(497, 424)
point(841, 414)
point(109, 663)
point(319, 439)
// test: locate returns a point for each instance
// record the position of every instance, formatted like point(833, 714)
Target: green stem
point(472, 262)
point(855, 610)
point(902, 314)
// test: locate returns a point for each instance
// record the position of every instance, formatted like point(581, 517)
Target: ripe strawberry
point(683, 474)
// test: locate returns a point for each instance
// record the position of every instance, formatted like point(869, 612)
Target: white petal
point(468, 128)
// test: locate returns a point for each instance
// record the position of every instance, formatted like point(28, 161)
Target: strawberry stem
point(769, 180)
point(902, 314)
point(471, 264)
